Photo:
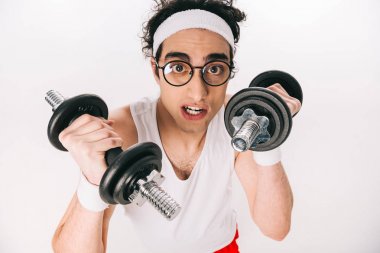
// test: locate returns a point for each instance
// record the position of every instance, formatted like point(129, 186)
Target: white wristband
point(267, 158)
point(88, 195)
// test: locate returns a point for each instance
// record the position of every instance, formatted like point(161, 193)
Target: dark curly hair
point(165, 8)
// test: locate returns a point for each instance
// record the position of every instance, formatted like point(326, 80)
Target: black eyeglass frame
point(230, 67)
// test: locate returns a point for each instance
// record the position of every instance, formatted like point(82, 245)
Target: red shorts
point(232, 247)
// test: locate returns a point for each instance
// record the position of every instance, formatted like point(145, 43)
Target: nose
point(197, 88)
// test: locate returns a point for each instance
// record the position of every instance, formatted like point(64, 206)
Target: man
point(191, 44)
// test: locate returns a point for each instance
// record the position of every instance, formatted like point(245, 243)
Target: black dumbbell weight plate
point(137, 162)
point(264, 103)
point(71, 109)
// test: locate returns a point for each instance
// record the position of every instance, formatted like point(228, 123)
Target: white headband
point(193, 18)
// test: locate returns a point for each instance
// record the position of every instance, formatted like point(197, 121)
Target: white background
point(331, 157)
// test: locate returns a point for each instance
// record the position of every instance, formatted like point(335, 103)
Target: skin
point(266, 187)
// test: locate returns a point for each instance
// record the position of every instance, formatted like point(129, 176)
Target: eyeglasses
point(179, 73)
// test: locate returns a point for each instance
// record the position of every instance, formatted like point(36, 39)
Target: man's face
point(192, 106)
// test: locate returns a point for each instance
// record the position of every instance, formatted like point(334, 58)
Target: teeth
point(193, 110)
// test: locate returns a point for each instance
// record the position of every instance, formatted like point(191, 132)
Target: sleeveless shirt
point(207, 221)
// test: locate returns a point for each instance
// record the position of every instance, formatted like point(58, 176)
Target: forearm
point(272, 206)
point(81, 231)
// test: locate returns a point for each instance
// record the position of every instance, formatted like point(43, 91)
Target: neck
point(182, 147)
point(172, 135)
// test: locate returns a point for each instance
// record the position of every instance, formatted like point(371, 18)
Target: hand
point(293, 103)
point(87, 139)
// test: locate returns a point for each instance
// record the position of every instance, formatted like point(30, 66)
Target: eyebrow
point(180, 55)
point(217, 56)
point(186, 57)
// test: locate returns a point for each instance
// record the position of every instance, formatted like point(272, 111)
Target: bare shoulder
point(124, 125)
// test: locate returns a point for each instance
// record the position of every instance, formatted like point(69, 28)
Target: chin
point(194, 128)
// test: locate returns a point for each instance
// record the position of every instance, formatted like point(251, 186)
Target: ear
point(154, 68)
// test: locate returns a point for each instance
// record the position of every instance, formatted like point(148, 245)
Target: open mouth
point(193, 112)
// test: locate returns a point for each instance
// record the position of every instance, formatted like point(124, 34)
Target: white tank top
point(207, 221)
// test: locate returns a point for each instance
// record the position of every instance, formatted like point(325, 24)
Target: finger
point(81, 120)
point(97, 135)
point(279, 91)
point(293, 104)
point(84, 119)
point(107, 144)
point(90, 149)
point(277, 86)
point(285, 96)
point(88, 125)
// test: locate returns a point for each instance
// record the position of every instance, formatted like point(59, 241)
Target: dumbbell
point(257, 118)
point(133, 175)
